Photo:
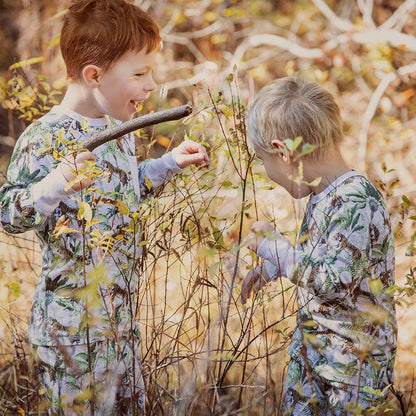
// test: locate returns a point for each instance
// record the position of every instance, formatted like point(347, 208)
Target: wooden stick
point(136, 123)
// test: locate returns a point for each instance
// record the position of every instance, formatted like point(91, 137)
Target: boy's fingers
point(84, 156)
point(195, 148)
point(195, 158)
point(247, 286)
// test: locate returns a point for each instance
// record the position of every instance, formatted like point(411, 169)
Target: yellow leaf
point(122, 207)
point(148, 183)
point(59, 83)
point(27, 62)
point(89, 224)
point(58, 231)
point(224, 109)
point(55, 41)
point(310, 324)
point(163, 141)
point(210, 16)
point(219, 38)
point(85, 212)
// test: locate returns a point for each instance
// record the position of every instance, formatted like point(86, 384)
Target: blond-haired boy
point(344, 344)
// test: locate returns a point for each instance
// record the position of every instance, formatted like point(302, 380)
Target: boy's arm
point(341, 258)
point(35, 186)
point(257, 278)
point(24, 205)
point(161, 170)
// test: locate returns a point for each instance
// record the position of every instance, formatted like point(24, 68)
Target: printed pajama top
point(34, 198)
point(341, 267)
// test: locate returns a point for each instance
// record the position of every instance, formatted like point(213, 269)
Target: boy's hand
point(254, 281)
point(188, 153)
point(69, 170)
point(257, 234)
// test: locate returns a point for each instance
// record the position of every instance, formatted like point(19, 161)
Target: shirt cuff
point(275, 251)
point(272, 271)
point(162, 169)
point(49, 192)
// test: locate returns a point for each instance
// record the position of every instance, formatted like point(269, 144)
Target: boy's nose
point(150, 84)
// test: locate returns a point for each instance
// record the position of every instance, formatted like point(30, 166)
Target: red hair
point(99, 32)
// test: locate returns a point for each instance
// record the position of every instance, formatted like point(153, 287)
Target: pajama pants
point(328, 398)
point(110, 381)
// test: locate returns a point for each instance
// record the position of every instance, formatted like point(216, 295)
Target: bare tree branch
point(399, 15)
point(392, 37)
point(137, 123)
point(276, 41)
point(372, 107)
point(342, 24)
point(366, 7)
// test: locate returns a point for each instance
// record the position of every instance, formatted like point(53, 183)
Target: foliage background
point(203, 352)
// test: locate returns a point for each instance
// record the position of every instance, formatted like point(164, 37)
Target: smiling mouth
point(136, 104)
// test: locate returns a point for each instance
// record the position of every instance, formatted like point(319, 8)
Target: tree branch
point(276, 41)
point(137, 123)
point(392, 37)
point(399, 15)
point(372, 107)
point(342, 24)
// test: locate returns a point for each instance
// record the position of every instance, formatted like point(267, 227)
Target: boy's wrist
point(274, 251)
point(48, 192)
point(175, 166)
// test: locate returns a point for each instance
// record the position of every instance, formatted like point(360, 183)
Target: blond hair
point(291, 107)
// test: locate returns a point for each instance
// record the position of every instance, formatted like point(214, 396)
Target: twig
point(278, 42)
point(181, 40)
point(342, 24)
point(206, 31)
point(366, 7)
point(372, 106)
point(392, 37)
point(399, 15)
point(137, 123)
point(202, 73)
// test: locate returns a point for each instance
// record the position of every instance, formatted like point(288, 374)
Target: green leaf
point(227, 184)
point(406, 201)
point(306, 149)
point(297, 142)
point(376, 287)
point(289, 144)
point(15, 288)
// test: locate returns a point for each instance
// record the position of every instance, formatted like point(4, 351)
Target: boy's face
point(282, 170)
point(125, 85)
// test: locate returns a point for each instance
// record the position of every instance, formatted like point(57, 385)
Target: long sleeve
point(157, 172)
point(34, 188)
point(345, 240)
point(335, 259)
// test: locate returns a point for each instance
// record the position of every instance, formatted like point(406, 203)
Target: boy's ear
point(279, 145)
point(91, 74)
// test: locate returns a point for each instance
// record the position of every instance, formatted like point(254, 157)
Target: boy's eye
point(143, 73)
